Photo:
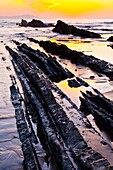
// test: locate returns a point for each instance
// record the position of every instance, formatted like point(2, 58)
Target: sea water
point(11, 156)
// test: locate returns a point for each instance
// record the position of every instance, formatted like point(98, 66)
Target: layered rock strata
point(59, 135)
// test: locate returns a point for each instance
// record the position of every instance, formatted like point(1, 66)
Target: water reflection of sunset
point(72, 93)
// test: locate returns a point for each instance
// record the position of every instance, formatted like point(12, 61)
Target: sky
point(58, 8)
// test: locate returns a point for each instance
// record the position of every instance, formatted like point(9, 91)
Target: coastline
point(87, 46)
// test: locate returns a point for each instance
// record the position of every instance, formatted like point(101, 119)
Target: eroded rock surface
point(48, 64)
point(78, 58)
point(34, 23)
point(56, 130)
point(63, 28)
point(100, 107)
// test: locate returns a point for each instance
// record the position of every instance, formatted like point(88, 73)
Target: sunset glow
point(53, 8)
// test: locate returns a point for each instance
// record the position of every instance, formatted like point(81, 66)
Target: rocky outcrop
point(73, 83)
point(111, 45)
point(110, 39)
point(100, 107)
point(78, 58)
point(82, 82)
point(77, 82)
point(23, 23)
point(56, 130)
point(26, 137)
point(64, 28)
point(48, 64)
point(34, 23)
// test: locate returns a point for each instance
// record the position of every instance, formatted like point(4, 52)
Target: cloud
point(42, 5)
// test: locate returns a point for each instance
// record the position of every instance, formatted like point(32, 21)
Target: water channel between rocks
point(10, 146)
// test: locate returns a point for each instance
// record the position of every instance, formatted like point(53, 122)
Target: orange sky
point(57, 8)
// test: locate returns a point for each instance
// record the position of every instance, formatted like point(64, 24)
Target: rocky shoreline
point(78, 58)
point(63, 139)
point(63, 28)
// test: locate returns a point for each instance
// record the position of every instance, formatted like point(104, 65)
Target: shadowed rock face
point(64, 28)
point(33, 23)
point(73, 83)
point(110, 39)
point(60, 135)
point(100, 107)
point(76, 57)
point(23, 23)
point(77, 82)
point(49, 65)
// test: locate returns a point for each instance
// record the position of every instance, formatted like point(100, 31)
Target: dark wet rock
point(16, 42)
point(61, 136)
point(73, 83)
point(48, 64)
point(44, 110)
point(33, 40)
point(100, 75)
point(64, 28)
point(30, 160)
point(77, 82)
point(82, 82)
point(106, 29)
point(34, 23)
point(92, 77)
point(100, 164)
point(78, 58)
point(111, 45)
point(103, 142)
point(24, 23)
point(87, 26)
point(3, 58)
point(100, 107)
point(110, 39)
point(8, 68)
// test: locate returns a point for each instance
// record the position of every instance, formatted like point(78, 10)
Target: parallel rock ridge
point(30, 160)
point(76, 57)
point(57, 132)
point(100, 107)
point(49, 65)
point(63, 28)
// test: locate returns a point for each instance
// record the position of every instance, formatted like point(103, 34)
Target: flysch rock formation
point(100, 107)
point(78, 58)
point(62, 136)
point(49, 65)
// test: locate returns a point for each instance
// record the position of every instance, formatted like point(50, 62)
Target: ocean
point(10, 150)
